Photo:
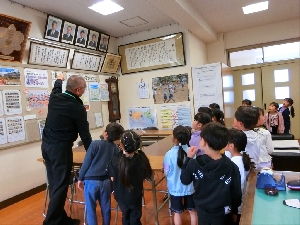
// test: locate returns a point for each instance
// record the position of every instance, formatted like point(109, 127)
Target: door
point(282, 81)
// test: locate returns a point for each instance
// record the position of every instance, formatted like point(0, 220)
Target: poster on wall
point(104, 94)
point(41, 127)
point(54, 74)
point(85, 97)
point(1, 104)
point(15, 128)
point(174, 88)
point(143, 89)
point(36, 78)
point(142, 117)
point(12, 102)
point(99, 119)
point(37, 98)
point(94, 91)
point(175, 115)
point(10, 76)
point(3, 134)
point(207, 85)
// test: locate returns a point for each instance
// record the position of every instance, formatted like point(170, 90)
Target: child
point(214, 105)
point(216, 179)
point(274, 120)
point(217, 116)
point(200, 120)
point(129, 169)
point(173, 162)
point(93, 175)
point(286, 110)
point(205, 110)
point(259, 141)
point(165, 93)
point(154, 88)
point(237, 141)
point(171, 94)
point(246, 102)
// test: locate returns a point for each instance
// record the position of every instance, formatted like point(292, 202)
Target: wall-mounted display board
point(87, 61)
point(111, 63)
point(13, 37)
point(152, 54)
point(47, 55)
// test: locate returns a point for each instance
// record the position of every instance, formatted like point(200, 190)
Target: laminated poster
point(37, 98)
point(99, 119)
point(94, 91)
point(12, 102)
point(104, 94)
point(15, 128)
point(3, 134)
point(36, 78)
point(143, 89)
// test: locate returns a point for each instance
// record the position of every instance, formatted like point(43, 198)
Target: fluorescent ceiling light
point(256, 7)
point(106, 7)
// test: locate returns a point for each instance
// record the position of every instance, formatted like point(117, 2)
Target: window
point(281, 75)
point(228, 97)
point(248, 79)
point(249, 94)
point(282, 92)
point(227, 81)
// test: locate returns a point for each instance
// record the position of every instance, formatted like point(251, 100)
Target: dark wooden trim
point(22, 196)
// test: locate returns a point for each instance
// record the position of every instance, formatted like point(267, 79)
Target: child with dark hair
point(93, 175)
point(273, 119)
point(286, 110)
point(181, 196)
point(237, 141)
point(259, 141)
point(216, 178)
point(217, 116)
point(200, 119)
point(129, 169)
point(205, 110)
point(214, 105)
point(246, 102)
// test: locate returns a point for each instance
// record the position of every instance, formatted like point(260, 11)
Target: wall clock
point(114, 102)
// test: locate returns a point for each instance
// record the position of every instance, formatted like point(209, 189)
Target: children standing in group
point(286, 110)
point(259, 141)
point(246, 102)
point(94, 177)
point(129, 169)
point(200, 119)
point(181, 196)
point(274, 120)
point(237, 141)
point(216, 178)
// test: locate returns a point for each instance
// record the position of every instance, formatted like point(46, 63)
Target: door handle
point(265, 106)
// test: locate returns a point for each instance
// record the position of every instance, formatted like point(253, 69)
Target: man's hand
point(80, 185)
point(60, 77)
point(192, 152)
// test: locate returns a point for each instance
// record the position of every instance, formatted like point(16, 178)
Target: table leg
point(154, 199)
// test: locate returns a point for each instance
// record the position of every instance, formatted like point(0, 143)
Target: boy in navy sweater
point(93, 175)
point(216, 178)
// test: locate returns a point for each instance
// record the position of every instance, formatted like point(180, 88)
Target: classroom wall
point(19, 169)
point(195, 54)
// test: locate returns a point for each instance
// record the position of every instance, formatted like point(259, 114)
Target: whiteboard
point(86, 61)
point(46, 55)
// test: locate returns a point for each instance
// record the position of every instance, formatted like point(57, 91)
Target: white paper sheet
point(15, 128)
point(142, 89)
point(3, 134)
point(99, 119)
point(94, 91)
point(12, 102)
point(36, 78)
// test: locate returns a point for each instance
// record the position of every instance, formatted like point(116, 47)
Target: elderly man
point(66, 118)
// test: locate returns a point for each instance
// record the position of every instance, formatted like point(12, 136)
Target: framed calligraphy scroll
point(87, 61)
point(47, 55)
point(152, 54)
point(13, 37)
point(111, 63)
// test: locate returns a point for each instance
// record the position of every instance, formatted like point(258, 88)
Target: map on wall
point(142, 117)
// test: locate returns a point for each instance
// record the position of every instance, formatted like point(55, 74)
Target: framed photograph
point(87, 61)
point(81, 36)
point(158, 53)
point(111, 63)
point(104, 40)
point(68, 32)
point(53, 28)
point(93, 39)
point(13, 34)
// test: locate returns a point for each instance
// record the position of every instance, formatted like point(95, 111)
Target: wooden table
point(269, 208)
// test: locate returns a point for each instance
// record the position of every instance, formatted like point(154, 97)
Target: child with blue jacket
point(181, 196)
point(94, 177)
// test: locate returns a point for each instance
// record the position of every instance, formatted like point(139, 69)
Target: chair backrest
point(283, 137)
point(150, 128)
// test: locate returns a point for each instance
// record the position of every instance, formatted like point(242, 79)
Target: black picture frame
point(103, 42)
point(93, 40)
point(81, 36)
point(52, 31)
point(68, 36)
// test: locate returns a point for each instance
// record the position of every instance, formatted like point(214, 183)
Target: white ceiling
point(205, 18)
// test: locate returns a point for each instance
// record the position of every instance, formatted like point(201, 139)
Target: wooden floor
point(29, 211)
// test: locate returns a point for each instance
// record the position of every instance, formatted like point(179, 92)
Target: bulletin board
point(152, 54)
point(22, 117)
